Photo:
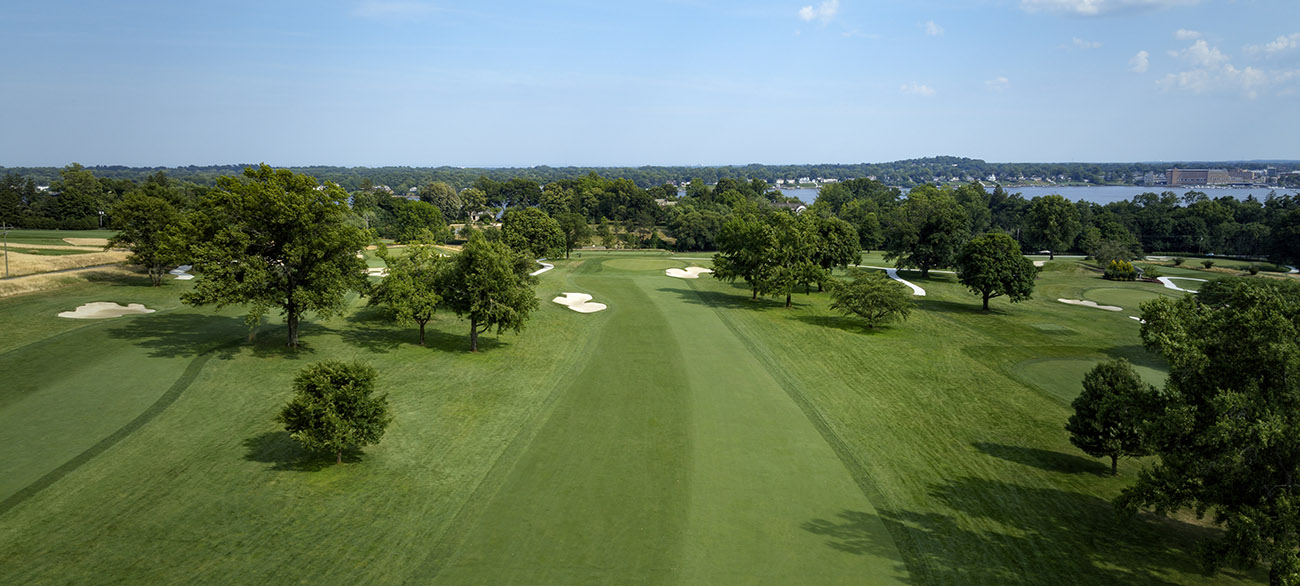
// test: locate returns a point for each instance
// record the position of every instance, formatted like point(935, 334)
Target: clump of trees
point(275, 240)
point(1120, 270)
point(1226, 429)
point(334, 408)
point(489, 284)
point(778, 252)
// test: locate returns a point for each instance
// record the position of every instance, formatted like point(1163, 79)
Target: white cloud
point(998, 83)
point(823, 12)
point(1211, 71)
point(1201, 54)
point(1183, 34)
point(1082, 44)
point(1097, 7)
point(1140, 62)
point(916, 89)
point(933, 29)
point(1282, 43)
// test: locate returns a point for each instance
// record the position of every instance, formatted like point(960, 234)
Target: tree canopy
point(1226, 429)
point(1109, 413)
point(992, 266)
point(489, 283)
point(1051, 223)
point(927, 231)
point(873, 297)
point(533, 233)
point(274, 240)
point(411, 288)
point(332, 408)
point(148, 226)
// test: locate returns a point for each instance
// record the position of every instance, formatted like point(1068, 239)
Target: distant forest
point(906, 174)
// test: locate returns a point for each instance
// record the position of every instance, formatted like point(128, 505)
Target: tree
point(575, 229)
point(792, 259)
point(1108, 414)
point(417, 220)
point(992, 266)
point(410, 289)
point(488, 282)
point(1226, 429)
point(81, 198)
point(532, 232)
point(332, 408)
point(272, 239)
point(473, 203)
point(148, 226)
point(836, 245)
point(745, 246)
point(442, 196)
point(927, 231)
point(873, 297)
point(1052, 223)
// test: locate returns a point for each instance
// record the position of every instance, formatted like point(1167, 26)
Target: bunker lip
point(1091, 304)
point(687, 273)
point(104, 310)
point(579, 302)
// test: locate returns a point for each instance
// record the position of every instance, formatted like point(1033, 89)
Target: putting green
point(640, 264)
point(673, 456)
point(1129, 298)
point(1062, 378)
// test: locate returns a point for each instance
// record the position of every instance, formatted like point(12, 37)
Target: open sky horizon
point(669, 82)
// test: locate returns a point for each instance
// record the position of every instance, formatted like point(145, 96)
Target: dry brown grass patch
point(30, 264)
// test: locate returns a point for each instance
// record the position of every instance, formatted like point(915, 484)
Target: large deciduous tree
point(149, 227)
point(333, 409)
point(1227, 428)
point(444, 197)
point(837, 244)
point(792, 260)
point(873, 297)
point(489, 283)
point(745, 245)
point(1052, 223)
point(927, 231)
point(410, 289)
point(992, 266)
point(1109, 413)
point(576, 231)
point(532, 232)
point(276, 239)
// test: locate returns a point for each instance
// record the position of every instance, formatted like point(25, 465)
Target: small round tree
point(872, 297)
point(1108, 413)
point(332, 408)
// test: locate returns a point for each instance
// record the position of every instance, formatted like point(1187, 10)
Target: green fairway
point(1130, 297)
point(684, 435)
point(56, 237)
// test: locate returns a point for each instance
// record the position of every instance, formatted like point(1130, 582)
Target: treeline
point(906, 173)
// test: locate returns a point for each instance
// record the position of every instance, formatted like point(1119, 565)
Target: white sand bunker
point(688, 272)
point(1091, 304)
point(104, 310)
point(377, 272)
point(182, 273)
point(579, 302)
point(1039, 263)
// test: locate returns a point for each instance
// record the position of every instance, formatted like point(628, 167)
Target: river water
point(1100, 194)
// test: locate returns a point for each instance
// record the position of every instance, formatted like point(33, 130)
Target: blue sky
point(694, 82)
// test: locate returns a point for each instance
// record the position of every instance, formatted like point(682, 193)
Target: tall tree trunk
point(1051, 255)
point(1114, 465)
point(754, 297)
point(986, 302)
point(339, 453)
point(422, 333)
point(787, 300)
point(925, 272)
point(473, 335)
point(292, 319)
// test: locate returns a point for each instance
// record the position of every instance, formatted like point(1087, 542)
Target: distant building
point(1188, 177)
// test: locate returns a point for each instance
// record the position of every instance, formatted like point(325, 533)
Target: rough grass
point(29, 264)
point(685, 435)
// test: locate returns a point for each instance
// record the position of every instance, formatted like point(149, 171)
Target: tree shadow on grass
point(1044, 459)
point(375, 330)
point(171, 335)
point(852, 325)
point(1002, 533)
point(959, 308)
point(284, 453)
point(724, 300)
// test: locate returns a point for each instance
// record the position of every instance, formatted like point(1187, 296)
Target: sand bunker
point(377, 272)
point(104, 310)
point(545, 267)
point(1039, 263)
point(182, 273)
point(1091, 304)
point(579, 302)
point(688, 272)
